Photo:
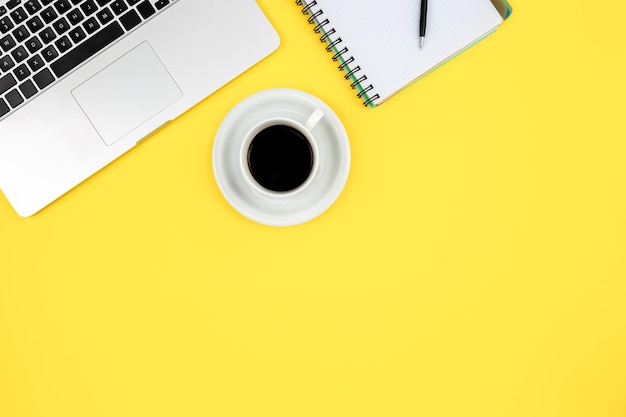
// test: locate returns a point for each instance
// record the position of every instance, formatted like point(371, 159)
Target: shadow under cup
point(280, 158)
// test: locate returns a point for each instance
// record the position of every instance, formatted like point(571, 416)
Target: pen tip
point(421, 41)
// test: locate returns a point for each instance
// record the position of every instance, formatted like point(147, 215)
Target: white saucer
point(333, 148)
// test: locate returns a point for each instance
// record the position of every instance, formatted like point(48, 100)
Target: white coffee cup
point(318, 126)
point(305, 129)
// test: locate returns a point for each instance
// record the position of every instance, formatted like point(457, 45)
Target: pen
point(423, 8)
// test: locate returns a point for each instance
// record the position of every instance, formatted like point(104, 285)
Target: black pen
point(423, 9)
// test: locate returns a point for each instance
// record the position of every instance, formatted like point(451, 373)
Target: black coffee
point(280, 158)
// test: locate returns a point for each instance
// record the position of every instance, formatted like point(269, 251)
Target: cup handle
point(313, 119)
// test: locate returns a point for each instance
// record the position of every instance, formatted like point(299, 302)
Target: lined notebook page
point(383, 36)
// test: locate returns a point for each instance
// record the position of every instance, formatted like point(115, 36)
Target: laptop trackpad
point(127, 93)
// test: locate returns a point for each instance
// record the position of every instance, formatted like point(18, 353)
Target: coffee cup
point(287, 181)
point(279, 157)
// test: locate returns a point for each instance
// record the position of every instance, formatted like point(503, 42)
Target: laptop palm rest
point(127, 93)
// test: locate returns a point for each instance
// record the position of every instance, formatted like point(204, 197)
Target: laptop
point(83, 81)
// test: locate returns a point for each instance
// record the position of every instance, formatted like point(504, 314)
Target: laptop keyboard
point(43, 40)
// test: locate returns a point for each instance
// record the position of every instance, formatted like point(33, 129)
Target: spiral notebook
point(376, 42)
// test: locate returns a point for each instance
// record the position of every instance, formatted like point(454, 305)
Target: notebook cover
point(503, 7)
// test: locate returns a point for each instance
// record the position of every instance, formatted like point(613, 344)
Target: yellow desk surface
point(475, 264)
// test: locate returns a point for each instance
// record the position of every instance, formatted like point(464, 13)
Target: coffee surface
point(280, 158)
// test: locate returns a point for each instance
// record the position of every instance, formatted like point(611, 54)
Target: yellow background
point(473, 266)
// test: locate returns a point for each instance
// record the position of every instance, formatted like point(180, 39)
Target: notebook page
point(383, 36)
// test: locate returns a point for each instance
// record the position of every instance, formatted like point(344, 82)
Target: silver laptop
point(83, 81)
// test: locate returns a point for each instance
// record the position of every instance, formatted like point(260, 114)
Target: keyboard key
point(46, 2)
point(6, 24)
point(105, 16)
point(33, 44)
point(145, 9)
point(91, 25)
point(119, 7)
point(6, 82)
point(28, 89)
point(43, 78)
point(75, 17)
point(12, 4)
point(19, 54)
point(14, 98)
point(87, 49)
point(35, 63)
point(32, 6)
point(21, 33)
point(48, 15)
point(62, 6)
point(35, 24)
point(63, 44)
point(89, 7)
point(103, 2)
point(132, 2)
point(19, 15)
point(77, 34)
point(61, 26)
point(4, 108)
point(7, 43)
point(130, 19)
point(6, 63)
point(49, 53)
point(21, 72)
point(161, 4)
point(3, 10)
point(47, 35)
